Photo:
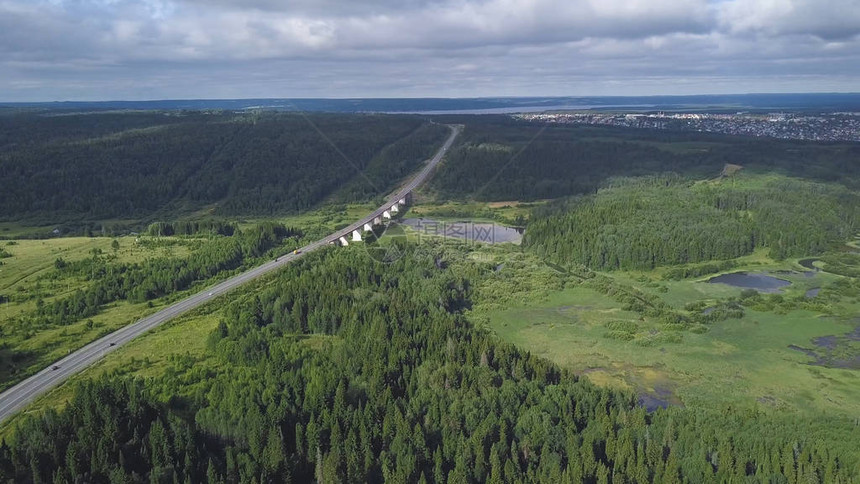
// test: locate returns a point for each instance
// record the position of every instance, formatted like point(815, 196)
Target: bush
point(626, 326)
point(619, 335)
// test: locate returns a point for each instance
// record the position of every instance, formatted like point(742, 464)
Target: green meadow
point(758, 360)
point(29, 278)
point(514, 213)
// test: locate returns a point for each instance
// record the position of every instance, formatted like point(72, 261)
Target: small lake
point(488, 233)
point(813, 292)
point(752, 280)
point(809, 264)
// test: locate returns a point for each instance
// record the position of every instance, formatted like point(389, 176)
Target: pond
point(813, 292)
point(488, 233)
point(752, 280)
point(809, 264)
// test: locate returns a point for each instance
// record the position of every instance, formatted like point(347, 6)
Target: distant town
point(843, 126)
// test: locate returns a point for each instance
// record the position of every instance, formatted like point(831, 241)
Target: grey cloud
point(330, 8)
point(826, 19)
point(256, 48)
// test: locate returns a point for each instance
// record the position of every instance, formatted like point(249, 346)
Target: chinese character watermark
point(415, 230)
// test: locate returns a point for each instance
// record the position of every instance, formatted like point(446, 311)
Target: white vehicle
point(210, 293)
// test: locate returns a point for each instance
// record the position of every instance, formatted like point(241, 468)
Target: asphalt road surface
point(15, 398)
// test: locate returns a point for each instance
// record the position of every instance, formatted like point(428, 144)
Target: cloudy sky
point(157, 49)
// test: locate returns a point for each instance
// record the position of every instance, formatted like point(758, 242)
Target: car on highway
point(210, 293)
point(55, 367)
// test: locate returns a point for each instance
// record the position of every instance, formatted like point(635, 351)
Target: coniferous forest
point(95, 166)
point(344, 369)
point(502, 159)
point(644, 223)
point(341, 368)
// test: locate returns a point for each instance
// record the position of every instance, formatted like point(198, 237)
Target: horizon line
point(354, 98)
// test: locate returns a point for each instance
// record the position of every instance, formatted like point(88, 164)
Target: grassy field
point(322, 221)
point(33, 259)
point(29, 277)
point(679, 293)
point(511, 213)
point(148, 356)
point(11, 230)
point(755, 361)
point(25, 276)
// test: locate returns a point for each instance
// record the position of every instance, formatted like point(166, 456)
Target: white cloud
point(483, 47)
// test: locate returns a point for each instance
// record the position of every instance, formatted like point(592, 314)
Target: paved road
point(15, 398)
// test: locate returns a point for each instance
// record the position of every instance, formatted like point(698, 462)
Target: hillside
point(133, 165)
point(502, 159)
point(644, 223)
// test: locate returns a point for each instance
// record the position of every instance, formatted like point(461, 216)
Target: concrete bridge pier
point(377, 221)
point(386, 214)
point(368, 227)
point(356, 236)
point(394, 208)
point(343, 241)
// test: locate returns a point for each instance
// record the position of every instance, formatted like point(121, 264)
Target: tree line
point(667, 220)
point(191, 227)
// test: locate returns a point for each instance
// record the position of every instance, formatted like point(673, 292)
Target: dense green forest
point(664, 220)
point(498, 158)
point(394, 162)
point(98, 166)
point(31, 130)
point(343, 369)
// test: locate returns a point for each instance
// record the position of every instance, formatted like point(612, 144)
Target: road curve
point(15, 398)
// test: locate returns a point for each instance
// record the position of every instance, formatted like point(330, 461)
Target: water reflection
point(488, 233)
point(752, 280)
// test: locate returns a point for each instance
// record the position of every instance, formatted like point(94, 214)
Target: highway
point(17, 397)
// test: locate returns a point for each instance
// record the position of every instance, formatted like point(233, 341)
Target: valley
point(645, 294)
